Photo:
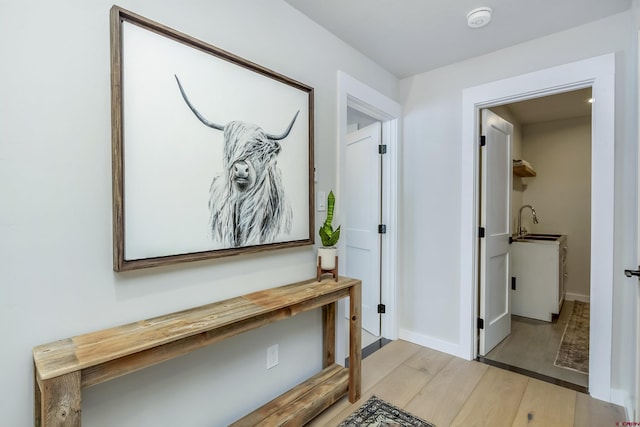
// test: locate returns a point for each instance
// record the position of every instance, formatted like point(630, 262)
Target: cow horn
point(286, 132)
point(196, 112)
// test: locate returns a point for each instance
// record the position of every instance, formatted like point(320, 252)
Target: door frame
point(633, 408)
point(355, 94)
point(599, 74)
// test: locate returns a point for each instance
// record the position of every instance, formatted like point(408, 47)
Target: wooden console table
point(63, 368)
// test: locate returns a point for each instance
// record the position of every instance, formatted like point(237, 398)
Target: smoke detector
point(479, 17)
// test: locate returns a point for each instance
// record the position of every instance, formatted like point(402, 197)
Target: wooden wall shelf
point(523, 171)
point(63, 368)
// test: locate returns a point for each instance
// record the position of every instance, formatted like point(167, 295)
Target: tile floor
point(533, 345)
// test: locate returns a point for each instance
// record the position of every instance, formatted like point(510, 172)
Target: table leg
point(59, 400)
point(355, 342)
point(328, 335)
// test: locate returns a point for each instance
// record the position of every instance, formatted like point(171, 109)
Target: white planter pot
point(328, 257)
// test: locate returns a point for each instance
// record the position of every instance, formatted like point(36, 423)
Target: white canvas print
point(216, 154)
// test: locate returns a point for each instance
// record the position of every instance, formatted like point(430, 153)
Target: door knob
point(630, 273)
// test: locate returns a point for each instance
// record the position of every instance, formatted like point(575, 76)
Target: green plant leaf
point(328, 235)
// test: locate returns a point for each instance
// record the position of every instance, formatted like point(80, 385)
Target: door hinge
point(483, 140)
point(382, 229)
point(382, 309)
point(382, 149)
point(481, 232)
point(631, 273)
point(480, 323)
point(513, 283)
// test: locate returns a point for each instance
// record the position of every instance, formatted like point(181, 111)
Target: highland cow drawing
point(236, 179)
point(247, 201)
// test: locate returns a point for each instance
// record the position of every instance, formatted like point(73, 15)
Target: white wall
point(560, 152)
point(56, 277)
point(432, 103)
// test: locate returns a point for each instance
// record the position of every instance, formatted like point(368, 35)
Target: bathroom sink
point(529, 237)
point(539, 236)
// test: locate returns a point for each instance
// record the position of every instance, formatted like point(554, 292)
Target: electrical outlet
point(322, 201)
point(272, 356)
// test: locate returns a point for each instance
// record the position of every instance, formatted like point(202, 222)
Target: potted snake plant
point(329, 237)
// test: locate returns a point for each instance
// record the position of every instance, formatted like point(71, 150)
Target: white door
point(363, 203)
point(495, 215)
point(631, 273)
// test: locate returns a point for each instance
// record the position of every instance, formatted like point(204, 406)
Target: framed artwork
point(212, 154)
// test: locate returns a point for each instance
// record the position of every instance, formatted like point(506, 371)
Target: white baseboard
point(576, 297)
point(448, 347)
point(623, 398)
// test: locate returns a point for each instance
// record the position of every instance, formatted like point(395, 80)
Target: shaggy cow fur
point(247, 202)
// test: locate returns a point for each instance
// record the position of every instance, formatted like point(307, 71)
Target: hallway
point(446, 390)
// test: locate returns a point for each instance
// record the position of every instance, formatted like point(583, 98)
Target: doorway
point(550, 196)
point(360, 97)
point(363, 202)
point(599, 74)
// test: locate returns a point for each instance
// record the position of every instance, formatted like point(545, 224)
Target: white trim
point(634, 412)
point(568, 296)
point(429, 342)
point(598, 73)
point(353, 93)
point(624, 399)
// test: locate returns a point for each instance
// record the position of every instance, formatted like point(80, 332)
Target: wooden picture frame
point(212, 154)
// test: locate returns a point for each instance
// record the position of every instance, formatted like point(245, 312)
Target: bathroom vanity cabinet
point(539, 269)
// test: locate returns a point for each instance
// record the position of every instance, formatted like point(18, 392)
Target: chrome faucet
point(521, 230)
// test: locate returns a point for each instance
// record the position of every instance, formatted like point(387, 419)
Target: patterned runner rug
point(573, 352)
point(376, 412)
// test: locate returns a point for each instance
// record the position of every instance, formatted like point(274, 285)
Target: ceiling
point(408, 37)
point(562, 106)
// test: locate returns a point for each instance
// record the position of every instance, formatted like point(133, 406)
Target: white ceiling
point(562, 106)
point(408, 37)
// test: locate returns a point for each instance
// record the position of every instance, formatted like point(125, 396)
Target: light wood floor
point(447, 390)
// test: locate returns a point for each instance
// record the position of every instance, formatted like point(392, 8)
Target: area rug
point(573, 352)
point(376, 412)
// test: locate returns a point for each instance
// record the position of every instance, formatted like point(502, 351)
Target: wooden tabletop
point(87, 350)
